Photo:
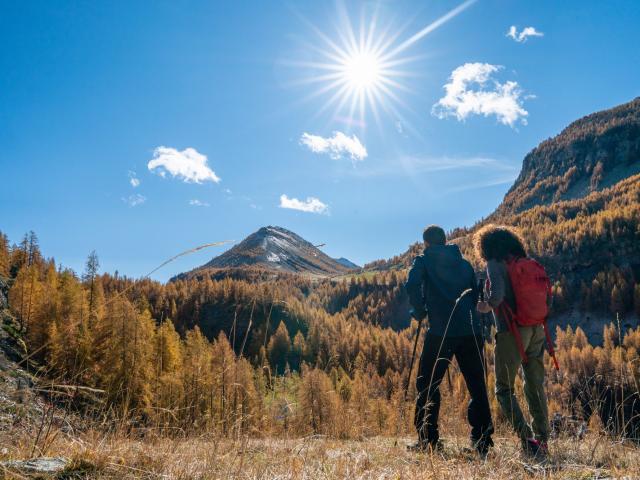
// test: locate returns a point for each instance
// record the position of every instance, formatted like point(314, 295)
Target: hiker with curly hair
point(518, 293)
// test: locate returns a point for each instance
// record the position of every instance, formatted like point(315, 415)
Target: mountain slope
point(277, 249)
point(592, 153)
point(347, 263)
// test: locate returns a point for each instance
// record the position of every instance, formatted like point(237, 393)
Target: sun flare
point(364, 69)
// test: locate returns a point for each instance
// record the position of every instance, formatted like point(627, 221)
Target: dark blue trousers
point(437, 353)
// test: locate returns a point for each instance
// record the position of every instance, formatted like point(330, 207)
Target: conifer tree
point(167, 362)
point(5, 258)
point(46, 313)
point(89, 278)
point(318, 401)
point(71, 313)
point(223, 368)
point(25, 294)
point(617, 301)
point(279, 347)
point(199, 394)
point(297, 350)
point(127, 368)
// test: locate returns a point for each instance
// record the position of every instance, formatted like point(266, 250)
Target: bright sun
point(362, 70)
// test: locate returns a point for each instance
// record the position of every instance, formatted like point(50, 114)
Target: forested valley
point(261, 354)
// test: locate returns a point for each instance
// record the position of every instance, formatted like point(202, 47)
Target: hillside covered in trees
point(592, 153)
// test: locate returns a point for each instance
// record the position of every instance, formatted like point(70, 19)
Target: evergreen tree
point(89, 278)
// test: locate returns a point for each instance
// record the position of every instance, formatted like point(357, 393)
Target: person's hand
point(483, 307)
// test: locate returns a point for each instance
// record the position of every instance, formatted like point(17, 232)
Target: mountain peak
point(278, 249)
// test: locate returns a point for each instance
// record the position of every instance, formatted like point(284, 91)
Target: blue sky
point(90, 91)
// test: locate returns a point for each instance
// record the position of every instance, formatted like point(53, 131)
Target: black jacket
point(436, 280)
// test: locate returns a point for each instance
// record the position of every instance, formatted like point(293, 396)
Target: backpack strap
point(510, 318)
point(552, 351)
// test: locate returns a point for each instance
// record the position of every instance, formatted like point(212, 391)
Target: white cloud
point(198, 203)
point(134, 200)
point(336, 146)
point(188, 165)
point(524, 34)
point(311, 204)
point(133, 179)
point(472, 91)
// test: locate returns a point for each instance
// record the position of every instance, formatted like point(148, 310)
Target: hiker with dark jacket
point(498, 246)
point(442, 286)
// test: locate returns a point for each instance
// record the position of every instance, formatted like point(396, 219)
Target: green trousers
point(507, 363)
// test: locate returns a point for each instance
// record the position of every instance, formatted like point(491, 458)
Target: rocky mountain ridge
point(277, 249)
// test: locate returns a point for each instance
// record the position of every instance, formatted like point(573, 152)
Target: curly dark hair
point(498, 242)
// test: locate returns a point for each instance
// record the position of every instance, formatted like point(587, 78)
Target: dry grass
point(96, 455)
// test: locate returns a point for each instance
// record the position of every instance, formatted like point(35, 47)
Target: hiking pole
point(483, 317)
point(413, 358)
point(406, 385)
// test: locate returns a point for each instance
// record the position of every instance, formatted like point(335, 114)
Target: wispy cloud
point(336, 146)
point(492, 182)
point(134, 200)
point(409, 166)
point(524, 34)
point(472, 91)
point(133, 179)
point(311, 204)
point(198, 203)
point(188, 165)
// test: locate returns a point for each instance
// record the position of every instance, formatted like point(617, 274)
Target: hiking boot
point(543, 449)
point(535, 449)
point(424, 446)
point(482, 446)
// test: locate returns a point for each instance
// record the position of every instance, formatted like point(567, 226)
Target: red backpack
point(531, 287)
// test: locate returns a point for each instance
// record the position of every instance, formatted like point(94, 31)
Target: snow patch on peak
point(272, 257)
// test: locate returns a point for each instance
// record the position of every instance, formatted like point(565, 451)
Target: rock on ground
point(43, 465)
